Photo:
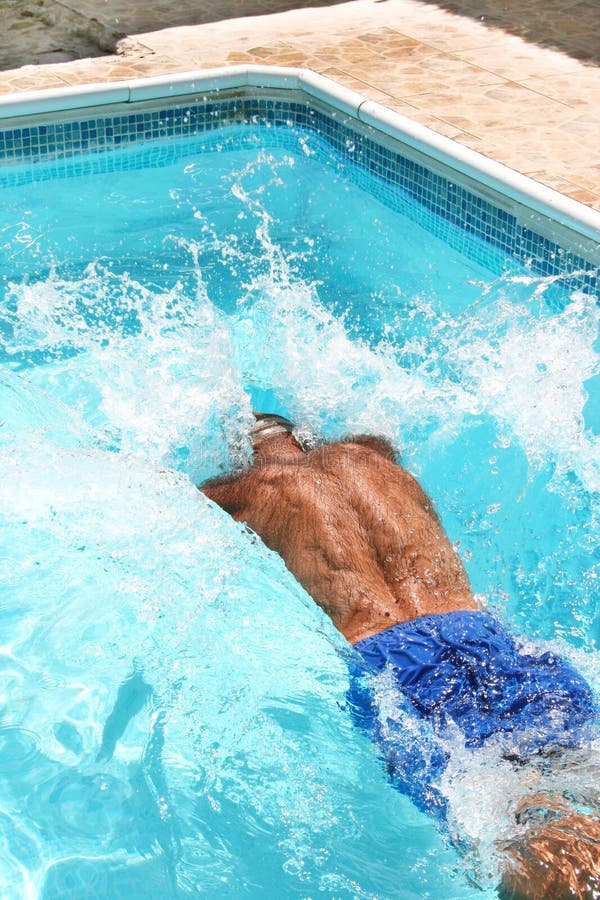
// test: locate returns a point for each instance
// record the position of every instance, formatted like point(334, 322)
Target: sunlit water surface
point(174, 718)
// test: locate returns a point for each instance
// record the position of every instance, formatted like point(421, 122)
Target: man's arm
point(225, 492)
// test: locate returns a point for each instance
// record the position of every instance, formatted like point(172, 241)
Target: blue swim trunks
point(463, 669)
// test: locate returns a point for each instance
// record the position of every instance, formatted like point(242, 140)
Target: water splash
point(165, 669)
point(529, 373)
point(151, 372)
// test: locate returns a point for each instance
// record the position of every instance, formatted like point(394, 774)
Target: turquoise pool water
point(174, 717)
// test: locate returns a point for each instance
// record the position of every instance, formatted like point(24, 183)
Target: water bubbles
point(529, 371)
point(493, 463)
point(304, 146)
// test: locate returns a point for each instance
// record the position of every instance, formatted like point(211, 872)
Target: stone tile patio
point(519, 83)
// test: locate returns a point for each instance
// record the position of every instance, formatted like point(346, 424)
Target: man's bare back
point(353, 527)
point(361, 536)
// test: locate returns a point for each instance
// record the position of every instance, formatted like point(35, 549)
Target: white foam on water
point(287, 339)
point(508, 355)
point(154, 376)
point(486, 792)
point(529, 372)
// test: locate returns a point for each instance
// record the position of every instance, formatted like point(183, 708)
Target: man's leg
point(555, 860)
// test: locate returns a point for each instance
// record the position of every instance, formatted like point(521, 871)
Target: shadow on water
point(570, 26)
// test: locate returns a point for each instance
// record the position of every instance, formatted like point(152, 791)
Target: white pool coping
point(539, 198)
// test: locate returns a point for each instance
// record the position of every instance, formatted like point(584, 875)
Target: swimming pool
point(175, 717)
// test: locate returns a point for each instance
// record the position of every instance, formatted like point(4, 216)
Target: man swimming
point(362, 537)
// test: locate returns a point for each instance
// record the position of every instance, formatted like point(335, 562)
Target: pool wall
point(552, 234)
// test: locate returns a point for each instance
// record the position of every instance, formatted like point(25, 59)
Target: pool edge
point(541, 199)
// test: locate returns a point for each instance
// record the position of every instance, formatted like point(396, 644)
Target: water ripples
point(19, 750)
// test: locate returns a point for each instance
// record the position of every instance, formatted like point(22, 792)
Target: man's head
point(272, 434)
point(269, 424)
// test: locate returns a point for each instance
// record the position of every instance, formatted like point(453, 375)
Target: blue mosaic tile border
point(451, 204)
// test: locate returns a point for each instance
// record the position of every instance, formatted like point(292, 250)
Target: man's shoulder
point(374, 442)
point(368, 449)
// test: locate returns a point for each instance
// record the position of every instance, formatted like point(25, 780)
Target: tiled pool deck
point(520, 85)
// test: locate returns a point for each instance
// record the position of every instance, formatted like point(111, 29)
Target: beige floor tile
point(13, 82)
point(518, 61)
point(581, 88)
